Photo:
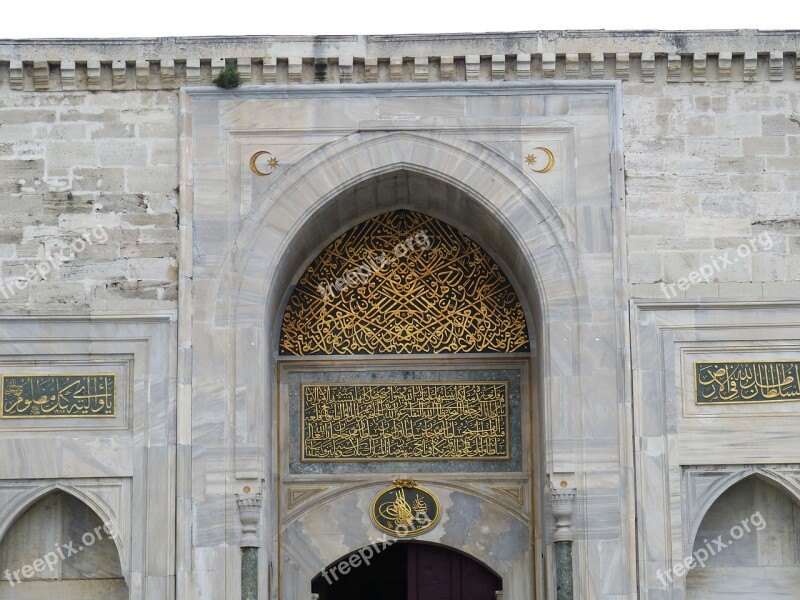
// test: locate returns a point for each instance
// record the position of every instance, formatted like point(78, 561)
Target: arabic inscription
point(747, 382)
point(430, 421)
point(38, 396)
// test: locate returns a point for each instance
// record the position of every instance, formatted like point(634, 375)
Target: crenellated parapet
point(169, 63)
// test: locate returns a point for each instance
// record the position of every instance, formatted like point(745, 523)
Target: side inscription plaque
point(746, 382)
point(41, 396)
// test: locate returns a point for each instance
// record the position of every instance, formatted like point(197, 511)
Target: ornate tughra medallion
point(405, 509)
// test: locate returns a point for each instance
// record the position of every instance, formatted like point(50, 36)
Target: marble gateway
point(456, 317)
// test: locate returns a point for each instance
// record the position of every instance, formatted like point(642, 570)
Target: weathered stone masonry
point(88, 136)
point(130, 138)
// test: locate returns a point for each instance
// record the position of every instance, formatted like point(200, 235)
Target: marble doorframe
point(564, 244)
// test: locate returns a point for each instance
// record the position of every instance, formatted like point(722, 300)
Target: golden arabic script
point(441, 293)
point(738, 382)
point(58, 396)
point(405, 421)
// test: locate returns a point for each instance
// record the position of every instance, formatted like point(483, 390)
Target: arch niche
point(756, 518)
point(59, 544)
point(324, 514)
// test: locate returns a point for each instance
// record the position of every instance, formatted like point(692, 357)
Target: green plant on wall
point(228, 77)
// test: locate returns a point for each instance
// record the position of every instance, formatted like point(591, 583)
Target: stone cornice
point(168, 63)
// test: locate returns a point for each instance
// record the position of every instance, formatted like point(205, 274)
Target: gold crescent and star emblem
point(272, 163)
point(405, 509)
point(530, 159)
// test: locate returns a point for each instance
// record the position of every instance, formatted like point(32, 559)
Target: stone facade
point(134, 236)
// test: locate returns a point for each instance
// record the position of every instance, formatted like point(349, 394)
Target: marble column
point(249, 515)
point(562, 502)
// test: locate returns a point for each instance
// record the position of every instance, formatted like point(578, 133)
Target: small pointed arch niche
point(59, 547)
point(403, 282)
point(758, 524)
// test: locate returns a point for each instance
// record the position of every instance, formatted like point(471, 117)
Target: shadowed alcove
point(759, 525)
point(59, 548)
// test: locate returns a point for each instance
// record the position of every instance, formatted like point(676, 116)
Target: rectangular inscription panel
point(39, 396)
point(747, 382)
point(420, 421)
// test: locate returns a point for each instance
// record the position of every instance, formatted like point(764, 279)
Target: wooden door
point(411, 571)
point(437, 573)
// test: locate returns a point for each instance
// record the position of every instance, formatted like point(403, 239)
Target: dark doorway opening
point(406, 571)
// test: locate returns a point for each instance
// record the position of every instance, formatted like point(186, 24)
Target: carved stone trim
point(637, 63)
point(598, 65)
point(523, 66)
point(623, 68)
point(674, 68)
point(724, 62)
point(41, 75)
point(750, 66)
point(549, 65)
point(16, 74)
point(648, 66)
point(498, 67)
point(699, 67)
point(249, 515)
point(563, 500)
point(572, 67)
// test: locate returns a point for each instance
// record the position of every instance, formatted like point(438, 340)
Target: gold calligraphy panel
point(38, 396)
point(419, 421)
point(403, 283)
point(747, 382)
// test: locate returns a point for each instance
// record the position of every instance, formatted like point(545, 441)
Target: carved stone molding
point(172, 62)
point(563, 500)
point(249, 515)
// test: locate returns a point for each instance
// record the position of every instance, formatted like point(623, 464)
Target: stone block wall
point(712, 172)
point(89, 190)
point(89, 137)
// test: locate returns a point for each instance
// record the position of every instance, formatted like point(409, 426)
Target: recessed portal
point(404, 355)
point(407, 571)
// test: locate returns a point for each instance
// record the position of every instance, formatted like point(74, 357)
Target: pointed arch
point(747, 540)
point(535, 232)
point(13, 511)
point(773, 477)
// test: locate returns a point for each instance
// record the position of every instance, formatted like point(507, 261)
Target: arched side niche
point(60, 547)
point(706, 486)
point(757, 522)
